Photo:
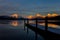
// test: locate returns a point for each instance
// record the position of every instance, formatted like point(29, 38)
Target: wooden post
point(36, 29)
point(46, 24)
point(27, 23)
point(24, 24)
point(46, 27)
point(36, 23)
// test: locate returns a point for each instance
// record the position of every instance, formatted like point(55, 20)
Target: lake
point(15, 30)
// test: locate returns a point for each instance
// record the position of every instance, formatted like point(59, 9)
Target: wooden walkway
point(48, 35)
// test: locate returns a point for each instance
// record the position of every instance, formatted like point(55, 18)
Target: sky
point(28, 6)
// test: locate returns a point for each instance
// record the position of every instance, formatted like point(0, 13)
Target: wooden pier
point(47, 35)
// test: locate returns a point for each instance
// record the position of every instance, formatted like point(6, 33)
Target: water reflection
point(50, 25)
point(15, 29)
point(14, 23)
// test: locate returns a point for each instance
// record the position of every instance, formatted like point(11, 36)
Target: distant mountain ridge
point(55, 18)
point(48, 18)
point(13, 18)
point(9, 18)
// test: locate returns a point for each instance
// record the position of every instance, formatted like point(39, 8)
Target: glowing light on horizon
point(42, 16)
point(37, 15)
point(54, 14)
point(49, 15)
point(30, 16)
point(14, 15)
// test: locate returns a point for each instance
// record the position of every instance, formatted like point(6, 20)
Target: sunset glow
point(37, 15)
point(14, 15)
point(30, 19)
point(49, 15)
point(30, 16)
point(42, 16)
point(54, 14)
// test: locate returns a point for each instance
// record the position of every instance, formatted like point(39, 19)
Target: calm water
point(15, 30)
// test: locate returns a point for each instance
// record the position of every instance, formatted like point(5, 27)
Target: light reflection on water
point(42, 22)
point(18, 31)
point(15, 30)
point(50, 25)
point(14, 23)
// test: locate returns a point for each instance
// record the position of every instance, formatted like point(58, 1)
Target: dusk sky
point(29, 6)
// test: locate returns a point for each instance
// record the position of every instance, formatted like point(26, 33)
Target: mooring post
point(27, 23)
point(24, 24)
point(36, 23)
point(46, 26)
point(36, 29)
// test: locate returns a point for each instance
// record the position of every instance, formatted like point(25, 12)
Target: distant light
point(30, 16)
point(14, 15)
point(54, 14)
point(37, 15)
point(49, 15)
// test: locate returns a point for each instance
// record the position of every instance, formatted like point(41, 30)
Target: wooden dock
point(47, 35)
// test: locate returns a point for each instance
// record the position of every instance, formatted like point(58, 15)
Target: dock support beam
point(46, 24)
point(46, 27)
point(24, 24)
point(36, 23)
point(36, 30)
point(27, 23)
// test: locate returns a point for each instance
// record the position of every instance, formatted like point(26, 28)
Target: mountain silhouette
point(10, 18)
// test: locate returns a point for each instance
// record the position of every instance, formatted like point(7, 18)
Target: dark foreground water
point(15, 30)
